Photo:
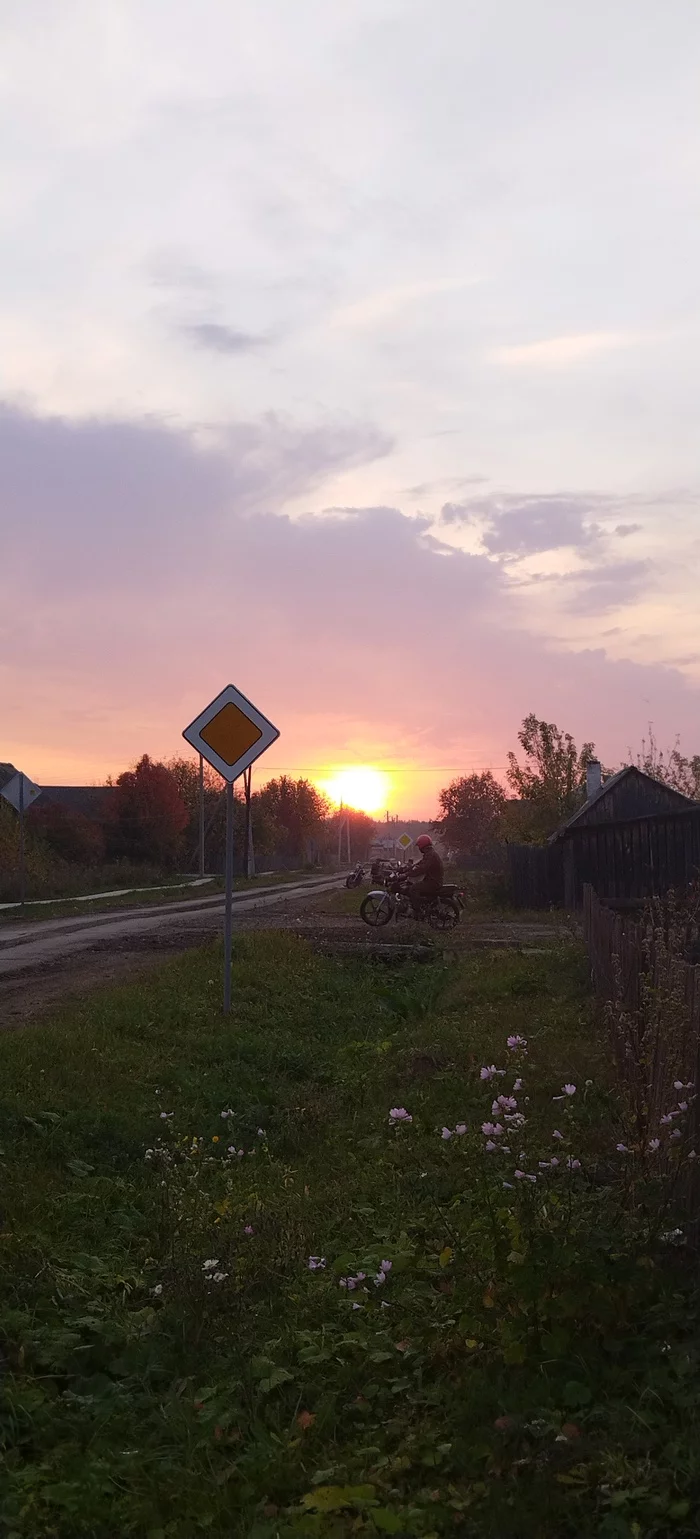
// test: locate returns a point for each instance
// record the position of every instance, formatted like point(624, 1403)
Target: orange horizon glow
point(359, 786)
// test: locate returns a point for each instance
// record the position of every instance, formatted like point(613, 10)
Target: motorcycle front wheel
point(376, 909)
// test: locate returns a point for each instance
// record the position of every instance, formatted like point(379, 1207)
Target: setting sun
point(359, 786)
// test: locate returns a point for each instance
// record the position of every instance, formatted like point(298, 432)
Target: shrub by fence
point(644, 970)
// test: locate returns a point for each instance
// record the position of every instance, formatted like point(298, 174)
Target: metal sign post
point(249, 855)
point(201, 815)
point(228, 918)
point(231, 733)
point(20, 792)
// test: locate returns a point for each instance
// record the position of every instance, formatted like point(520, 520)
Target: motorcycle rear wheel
point(445, 915)
point(376, 910)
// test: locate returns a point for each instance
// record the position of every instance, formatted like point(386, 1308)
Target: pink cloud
point(141, 571)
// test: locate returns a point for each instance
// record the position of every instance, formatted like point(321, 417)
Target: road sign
point(405, 841)
point(20, 792)
point(231, 733)
point(20, 789)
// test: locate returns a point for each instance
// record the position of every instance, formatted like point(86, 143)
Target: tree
point(551, 784)
point(69, 835)
point(673, 768)
point(471, 812)
point(298, 809)
point(147, 814)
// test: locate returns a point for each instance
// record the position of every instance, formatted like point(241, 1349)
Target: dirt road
point(45, 962)
point(42, 961)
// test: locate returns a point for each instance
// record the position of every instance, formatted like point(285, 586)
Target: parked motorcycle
point(380, 906)
point(356, 876)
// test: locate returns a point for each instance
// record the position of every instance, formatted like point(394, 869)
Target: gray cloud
point(217, 338)
point(623, 530)
point(517, 527)
point(103, 502)
point(601, 588)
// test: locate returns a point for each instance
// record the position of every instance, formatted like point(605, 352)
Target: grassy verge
point(177, 891)
point(173, 1364)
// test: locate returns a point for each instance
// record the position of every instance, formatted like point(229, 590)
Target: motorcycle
point(380, 906)
point(356, 876)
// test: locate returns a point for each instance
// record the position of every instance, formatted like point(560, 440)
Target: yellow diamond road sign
point(231, 733)
point(405, 841)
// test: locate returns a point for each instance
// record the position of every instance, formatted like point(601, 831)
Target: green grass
point(534, 1375)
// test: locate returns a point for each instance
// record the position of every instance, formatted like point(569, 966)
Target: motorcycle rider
point(427, 878)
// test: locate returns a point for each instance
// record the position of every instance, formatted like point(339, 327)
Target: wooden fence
point(536, 875)
point(625, 862)
point(642, 972)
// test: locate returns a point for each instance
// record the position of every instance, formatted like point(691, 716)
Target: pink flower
point(557, 1134)
point(667, 1120)
point(488, 1128)
point(573, 1164)
point(446, 1133)
point(249, 1229)
point(507, 1102)
point(385, 1266)
point(676, 1133)
point(569, 1089)
point(654, 1144)
point(399, 1114)
point(622, 1149)
point(488, 1073)
point(678, 1084)
point(316, 1263)
point(518, 1084)
point(461, 1129)
point(490, 1146)
point(682, 1105)
point(515, 1042)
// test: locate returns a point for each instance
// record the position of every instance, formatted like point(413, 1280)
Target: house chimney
point(594, 778)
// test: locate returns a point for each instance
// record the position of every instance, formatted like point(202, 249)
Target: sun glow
point(358, 786)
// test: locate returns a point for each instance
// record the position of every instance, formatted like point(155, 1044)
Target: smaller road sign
point(405, 841)
point(231, 733)
point(20, 791)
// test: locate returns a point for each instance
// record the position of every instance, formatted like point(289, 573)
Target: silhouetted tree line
point(152, 815)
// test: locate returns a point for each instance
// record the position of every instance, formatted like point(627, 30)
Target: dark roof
point(615, 780)
point(88, 800)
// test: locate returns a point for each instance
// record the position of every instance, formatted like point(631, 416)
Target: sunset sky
point(349, 352)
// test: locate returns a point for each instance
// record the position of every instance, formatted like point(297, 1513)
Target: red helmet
point(424, 843)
